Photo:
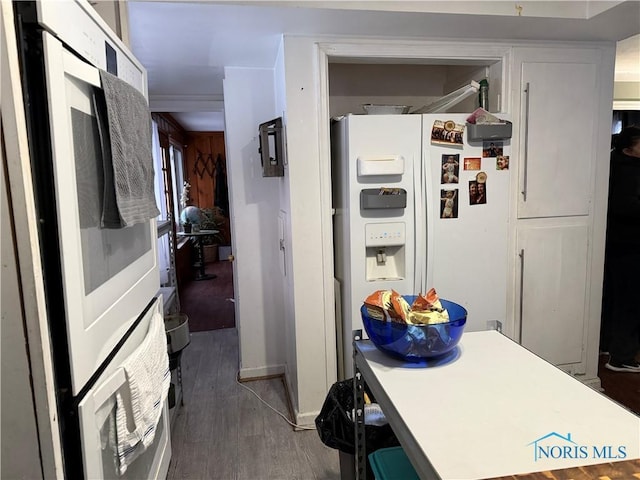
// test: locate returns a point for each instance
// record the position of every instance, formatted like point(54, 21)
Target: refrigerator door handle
point(420, 227)
point(521, 299)
point(525, 156)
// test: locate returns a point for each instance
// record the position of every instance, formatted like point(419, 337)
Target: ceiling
point(186, 45)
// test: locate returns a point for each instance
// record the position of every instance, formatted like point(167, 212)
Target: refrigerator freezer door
point(374, 247)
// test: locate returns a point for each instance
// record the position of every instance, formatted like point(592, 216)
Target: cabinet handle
point(521, 300)
point(525, 157)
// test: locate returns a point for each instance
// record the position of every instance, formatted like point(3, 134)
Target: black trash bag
point(336, 429)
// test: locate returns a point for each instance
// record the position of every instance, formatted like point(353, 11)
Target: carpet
point(208, 303)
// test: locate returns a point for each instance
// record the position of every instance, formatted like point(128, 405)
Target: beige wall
point(624, 91)
point(354, 84)
point(116, 15)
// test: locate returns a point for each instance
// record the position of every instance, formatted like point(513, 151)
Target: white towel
point(148, 377)
point(129, 180)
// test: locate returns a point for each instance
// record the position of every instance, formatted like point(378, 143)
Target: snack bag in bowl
point(427, 309)
point(387, 305)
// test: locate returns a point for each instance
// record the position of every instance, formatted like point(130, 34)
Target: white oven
point(97, 410)
point(109, 274)
point(101, 284)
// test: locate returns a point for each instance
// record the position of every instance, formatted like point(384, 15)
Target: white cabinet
point(562, 104)
point(552, 292)
point(557, 112)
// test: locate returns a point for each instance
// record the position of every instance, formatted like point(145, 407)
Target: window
point(167, 155)
point(168, 137)
point(175, 160)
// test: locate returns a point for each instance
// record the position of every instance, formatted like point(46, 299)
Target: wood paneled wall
point(169, 127)
point(204, 151)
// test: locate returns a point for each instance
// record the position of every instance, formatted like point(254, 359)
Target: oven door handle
point(81, 70)
point(105, 391)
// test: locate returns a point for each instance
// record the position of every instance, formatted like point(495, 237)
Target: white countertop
point(478, 416)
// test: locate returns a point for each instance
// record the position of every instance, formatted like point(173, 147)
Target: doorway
point(196, 265)
point(208, 299)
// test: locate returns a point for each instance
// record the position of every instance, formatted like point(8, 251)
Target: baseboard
point(304, 419)
point(259, 373)
point(307, 419)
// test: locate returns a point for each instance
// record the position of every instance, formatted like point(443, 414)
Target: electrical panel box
point(271, 148)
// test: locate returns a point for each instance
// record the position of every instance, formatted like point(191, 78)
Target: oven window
point(105, 252)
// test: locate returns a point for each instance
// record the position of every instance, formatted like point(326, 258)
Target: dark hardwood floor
point(624, 388)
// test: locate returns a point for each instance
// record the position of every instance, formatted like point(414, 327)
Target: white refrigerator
point(408, 216)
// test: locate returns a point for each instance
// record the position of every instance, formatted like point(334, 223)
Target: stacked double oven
point(101, 284)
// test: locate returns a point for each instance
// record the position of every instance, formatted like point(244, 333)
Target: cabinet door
point(557, 137)
point(553, 271)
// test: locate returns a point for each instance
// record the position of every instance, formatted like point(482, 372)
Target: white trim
point(376, 49)
point(306, 419)
point(186, 103)
point(326, 219)
point(257, 372)
point(413, 50)
point(598, 215)
point(626, 104)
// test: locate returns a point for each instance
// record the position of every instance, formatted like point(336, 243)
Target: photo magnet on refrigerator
point(447, 132)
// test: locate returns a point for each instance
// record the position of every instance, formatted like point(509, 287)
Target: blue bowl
point(414, 343)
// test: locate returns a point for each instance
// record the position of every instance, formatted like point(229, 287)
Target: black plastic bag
point(336, 429)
